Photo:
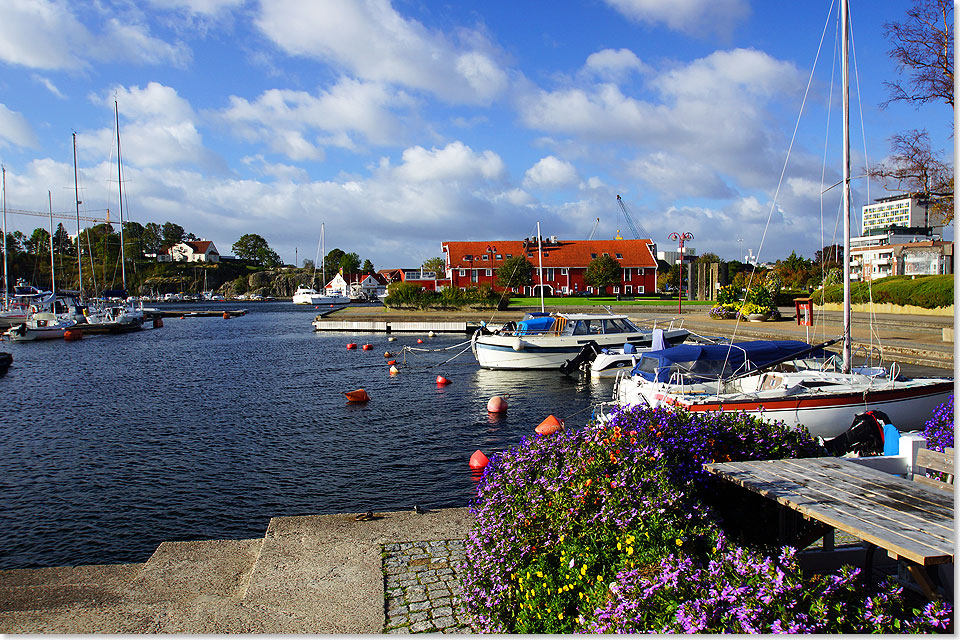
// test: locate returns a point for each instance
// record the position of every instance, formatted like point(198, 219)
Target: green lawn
point(603, 301)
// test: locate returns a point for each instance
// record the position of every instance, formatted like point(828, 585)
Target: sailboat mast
point(76, 193)
point(540, 251)
point(845, 73)
point(323, 258)
point(123, 266)
point(53, 279)
point(6, 300)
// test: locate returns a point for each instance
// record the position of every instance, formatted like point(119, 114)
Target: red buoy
point(367, 347)
point(550, 425)
point(441, 381)
point(357, 396)
point(181, 317)
point(72, 334)
point(419, 340)
point(478, 460)
point(351, 345)
point(391, 362)
point(157, 323)
point(496, 404)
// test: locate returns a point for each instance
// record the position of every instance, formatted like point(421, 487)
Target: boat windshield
point(595, 326)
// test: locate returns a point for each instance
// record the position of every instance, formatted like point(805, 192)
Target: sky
point(401, 125)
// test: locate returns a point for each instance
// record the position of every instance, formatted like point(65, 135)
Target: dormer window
point(468, 258)
point(619, 256)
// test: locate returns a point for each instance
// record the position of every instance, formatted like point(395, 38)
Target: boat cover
point(534, 325)
point(717, 360)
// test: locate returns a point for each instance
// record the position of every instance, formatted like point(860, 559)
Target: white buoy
point(392, 339)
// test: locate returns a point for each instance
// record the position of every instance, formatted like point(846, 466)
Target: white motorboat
point(307, 295)
point(40, 326)
point(827, 403)
point(548, 341)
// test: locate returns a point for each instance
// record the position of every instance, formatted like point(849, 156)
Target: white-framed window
point(616, 289)
point(474, 273)
point(550, 274)
point(499, 256)
point(640, 288)
point(619, 256)
point(626, 274)
point(565, 290)
point(628, 289)
point(468, 258)
point(563, 271)
point(485, 257)
point(489, 272)
point(463, 273)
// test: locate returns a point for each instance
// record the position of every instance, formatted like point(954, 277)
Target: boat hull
point(319, 299)
point(908, 405)
point(550, 352)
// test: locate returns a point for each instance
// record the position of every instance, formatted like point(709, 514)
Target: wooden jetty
point(206, 313)
point(395, 326)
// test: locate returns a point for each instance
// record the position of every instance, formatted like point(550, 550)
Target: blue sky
point(404, 124)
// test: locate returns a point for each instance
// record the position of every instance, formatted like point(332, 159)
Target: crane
point(594, 230)
point(64, 215)
point(638, 230)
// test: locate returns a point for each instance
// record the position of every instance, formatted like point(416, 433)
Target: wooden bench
point(941, 462)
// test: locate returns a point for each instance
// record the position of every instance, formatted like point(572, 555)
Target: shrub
point(728, 295)
point(928, 292)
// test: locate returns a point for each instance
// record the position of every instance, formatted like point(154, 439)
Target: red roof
point(630, 254)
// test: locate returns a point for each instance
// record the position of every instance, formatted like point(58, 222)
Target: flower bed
point(618, 528)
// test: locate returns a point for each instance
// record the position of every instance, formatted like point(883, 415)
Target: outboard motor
point(585, 357)
point(865, 436)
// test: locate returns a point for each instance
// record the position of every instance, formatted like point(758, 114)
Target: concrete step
point(64, 587)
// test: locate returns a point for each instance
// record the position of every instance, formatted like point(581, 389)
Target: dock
point(395, 326)
point(179, 313)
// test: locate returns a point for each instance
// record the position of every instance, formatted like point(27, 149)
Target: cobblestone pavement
point(422, 588)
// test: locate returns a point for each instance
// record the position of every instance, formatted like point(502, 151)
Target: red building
point(564, 263)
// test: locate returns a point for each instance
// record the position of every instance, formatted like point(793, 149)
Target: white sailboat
point(825, 402)
point(308, 295)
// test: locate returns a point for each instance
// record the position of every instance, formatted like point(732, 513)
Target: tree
point(61, 241)
point(708, 258)
point(515, 273)
point(350, 263)
point(367, 267)
point(253, 247)
point(438, 265)
point(308, 264)
point(914, 167)
point(152, 238)
point(795, 271)
point(331, 261)
point(172, 233)
point(39, 242)
point(923, 47)
point(602, 272)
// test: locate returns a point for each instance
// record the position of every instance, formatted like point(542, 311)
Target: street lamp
point(681, 238)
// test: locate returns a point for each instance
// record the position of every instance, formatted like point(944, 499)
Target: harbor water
point(206, 428)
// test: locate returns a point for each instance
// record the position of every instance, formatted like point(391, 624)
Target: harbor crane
point(593, 231)
point(60, 215)
point(637, 229)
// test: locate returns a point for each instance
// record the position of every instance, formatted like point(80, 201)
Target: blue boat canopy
point(534, 325)
point(714, 361)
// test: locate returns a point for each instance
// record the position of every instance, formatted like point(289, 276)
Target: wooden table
point(910, 521)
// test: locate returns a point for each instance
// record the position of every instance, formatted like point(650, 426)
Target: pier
point(395, 326)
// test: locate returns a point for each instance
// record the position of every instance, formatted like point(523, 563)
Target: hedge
point(927, 292)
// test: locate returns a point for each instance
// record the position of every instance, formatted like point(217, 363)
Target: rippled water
point(207, 428)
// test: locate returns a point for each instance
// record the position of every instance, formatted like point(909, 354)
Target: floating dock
point(180, 313)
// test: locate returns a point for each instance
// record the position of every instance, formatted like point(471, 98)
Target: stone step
point(64, 587)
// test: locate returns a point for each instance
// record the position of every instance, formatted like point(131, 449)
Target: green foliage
point(758, 300)
point(602, 272)
point(728, 294)
point(253, 247)
point(515, 272)
point(171, 233)
point(438, 265)
point(927, 292)
point(407, 295)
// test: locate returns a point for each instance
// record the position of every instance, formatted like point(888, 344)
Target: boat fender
point(157, 323)
point(72, 334)
point(496, 404)
point(360, 395)
point(478, 460)
point(392, 339)
point(367, 347)
point(551, 424)
point(517, 344)
point(351, 345)
point(441, 381)
point(431, 335)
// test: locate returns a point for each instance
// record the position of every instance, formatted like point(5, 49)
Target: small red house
point(565, 262)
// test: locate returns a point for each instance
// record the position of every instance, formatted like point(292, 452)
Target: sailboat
point(825, 402)
point(308, 295)
point(114, 311)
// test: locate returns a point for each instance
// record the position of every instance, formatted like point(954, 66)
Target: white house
point(191, 251)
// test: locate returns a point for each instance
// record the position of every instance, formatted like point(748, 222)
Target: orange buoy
point(391, 362)
point(419, 340)
point(387, 354)
point(367, 347)
point(359, 395)
point(351, 345)
point(441, 381)
point(181, 317)
point(393, 370)
point(157, 323)
point(72, 334)
point(496, 404)
point(550, 425)
point(226, 315)
point(478, 460)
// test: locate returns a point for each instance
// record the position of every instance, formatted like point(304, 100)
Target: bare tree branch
point(915, 168)
point(923, 48)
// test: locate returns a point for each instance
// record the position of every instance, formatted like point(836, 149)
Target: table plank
point(898, 515)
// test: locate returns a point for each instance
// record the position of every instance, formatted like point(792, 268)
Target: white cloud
point(15, 129)
point(376, 43)
point(550, 173)
point(694, 17)
point(41, 34)
point(46, 83)
point(297, 124)
point(202, 7)
point(456, 162)
point(614, 64)
point(679, 176)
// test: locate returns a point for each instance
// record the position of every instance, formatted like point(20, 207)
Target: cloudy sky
point(407, 123)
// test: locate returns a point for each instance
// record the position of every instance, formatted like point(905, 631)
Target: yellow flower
point(619, 547)
point(561, 538)
point(679, 542)
point(560, 616)
point(629, 551)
